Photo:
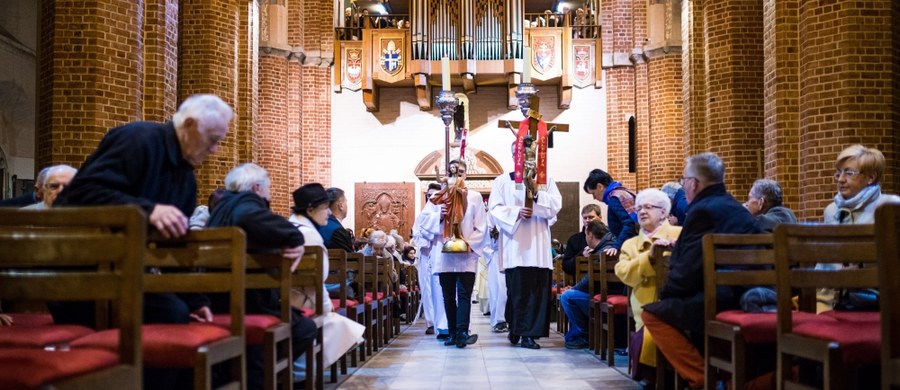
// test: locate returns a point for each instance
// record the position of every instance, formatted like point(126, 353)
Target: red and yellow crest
point(543, 56)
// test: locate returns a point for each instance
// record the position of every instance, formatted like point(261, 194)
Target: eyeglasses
point(848, 173)
point(683, 179)
point(54, 186)
point(648, 207)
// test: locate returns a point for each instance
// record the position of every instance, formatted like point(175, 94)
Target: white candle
point(445, 73)
point(526, 66)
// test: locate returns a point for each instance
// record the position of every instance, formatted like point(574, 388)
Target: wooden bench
point(887, 232)
point(271, 271)
point(106, 247)
point(837, 348)
point(310, 276)
point(607, 306)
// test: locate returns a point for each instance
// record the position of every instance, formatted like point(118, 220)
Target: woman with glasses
point(858, 176)
point(858, 172)
point(635, 268)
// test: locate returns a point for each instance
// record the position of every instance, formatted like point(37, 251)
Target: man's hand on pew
point(5, 320)
point(169, 220)
point(294, 255)
point(202, 314)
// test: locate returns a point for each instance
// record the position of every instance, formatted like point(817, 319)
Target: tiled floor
point(418, 361)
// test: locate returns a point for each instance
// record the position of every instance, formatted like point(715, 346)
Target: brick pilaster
point(666, 138)
point(89, 75)
point(693, 63)
point(160, 59)
point(272, 150)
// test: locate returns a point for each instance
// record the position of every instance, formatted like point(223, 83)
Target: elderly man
point(50, 182)
point(764, 202)
point(152, 165)
point(680, 305)
point(245, 204)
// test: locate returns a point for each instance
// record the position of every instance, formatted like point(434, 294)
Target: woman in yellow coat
point(635, 267)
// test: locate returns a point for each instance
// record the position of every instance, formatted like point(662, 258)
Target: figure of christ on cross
point(531, 148)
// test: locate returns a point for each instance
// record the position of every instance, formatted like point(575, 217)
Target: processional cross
point(531, 145)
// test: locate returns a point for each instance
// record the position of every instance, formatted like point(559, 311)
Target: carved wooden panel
point(384, 206)
point(568, 221)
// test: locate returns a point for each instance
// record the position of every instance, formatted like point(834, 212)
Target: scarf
point(858, 202)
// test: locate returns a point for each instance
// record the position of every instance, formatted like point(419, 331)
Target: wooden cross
point(534, 116)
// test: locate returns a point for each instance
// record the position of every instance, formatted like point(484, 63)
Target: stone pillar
point(208, 49)
point(693, 65)
point(90, 60)
point(782, 96)
point(848, 91)
point(734, 85)
point(160, 60)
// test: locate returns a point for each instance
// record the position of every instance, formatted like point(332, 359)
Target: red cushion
point(337, 303)
point(855, 316)
point(380, 295)
point(618, 302)
point(368, 299)
point(761, 327)
point(32, 368)
point(860, 342)
point(31, 319)
point(165, 345)
point(40, 336)
point(255, 325)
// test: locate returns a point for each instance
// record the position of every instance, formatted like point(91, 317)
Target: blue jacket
point(621, 224)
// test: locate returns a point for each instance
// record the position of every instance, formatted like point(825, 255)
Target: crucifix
point(531, 145)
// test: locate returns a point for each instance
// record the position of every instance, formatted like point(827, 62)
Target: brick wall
point(846, 94)
point(782, 96)
point(666, 140)
point(160, 60)
point(272, 151)
point(88, 83)
point(734, 86)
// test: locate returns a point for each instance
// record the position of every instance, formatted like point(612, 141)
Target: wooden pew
point(661, 257)
point(337, 274)
point(887, 232)
point(840, 347)
point(608, 306)
point(374, 298)
point(106, 244)
point(271, 271)
point(559, 284)
point(355, 261)
point(310, 276)
point(386, 288)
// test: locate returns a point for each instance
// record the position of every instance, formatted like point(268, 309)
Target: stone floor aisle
point(418, 361)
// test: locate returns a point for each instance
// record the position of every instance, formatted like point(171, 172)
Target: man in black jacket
point(151, 165)
point(245, 204)
point(576, 243)
point(680, 308)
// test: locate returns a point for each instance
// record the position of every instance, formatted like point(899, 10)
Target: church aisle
point(418, 361)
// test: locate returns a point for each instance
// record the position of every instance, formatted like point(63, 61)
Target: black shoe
point(513, 339)
point(576, 344)
point(451, 340)
point(464, 339)
point(487, 314)
point(501, 328)
point(430, 330)
point(528, 342)
point(443, 336)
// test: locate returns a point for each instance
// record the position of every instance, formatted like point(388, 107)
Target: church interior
point(372, 95)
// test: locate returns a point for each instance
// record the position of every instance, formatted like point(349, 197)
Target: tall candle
point(445, 73)
point(526, 66)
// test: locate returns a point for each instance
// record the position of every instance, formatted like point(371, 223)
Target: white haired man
point(50, 182)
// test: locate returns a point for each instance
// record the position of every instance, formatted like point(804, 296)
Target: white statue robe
point(496, 284)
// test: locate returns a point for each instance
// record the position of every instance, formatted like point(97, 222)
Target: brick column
point(693, 65)
point(208, 50)
point(160, 59)
point(782, 96)
point(734, 74)
point(247, 107)
point(89, 75)
point(315, 125)
point(269, 140)
point(666, 130)
point(847, 68)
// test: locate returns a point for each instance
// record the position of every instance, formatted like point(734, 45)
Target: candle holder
point(524, 92)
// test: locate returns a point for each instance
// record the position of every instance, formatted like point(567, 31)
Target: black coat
point(681, 300)
point(138, 163)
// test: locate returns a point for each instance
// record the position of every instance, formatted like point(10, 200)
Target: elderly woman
point(764, 202)
point(635, 266)
point(858, 172)
point(339, 333)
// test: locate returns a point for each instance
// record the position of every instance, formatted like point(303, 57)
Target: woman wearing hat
point(311, 211)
